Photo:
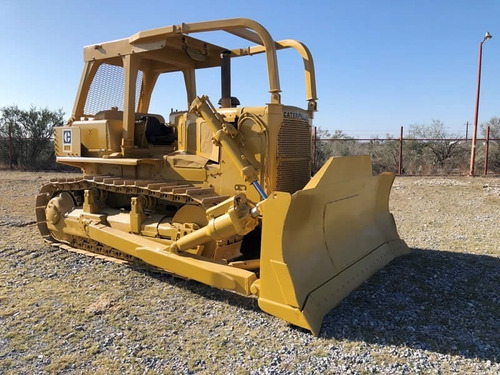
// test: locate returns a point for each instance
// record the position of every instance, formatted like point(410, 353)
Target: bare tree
point(338, 144)
point(385, 154)
point(494, 124)
point(494, 151)
point(445, 147)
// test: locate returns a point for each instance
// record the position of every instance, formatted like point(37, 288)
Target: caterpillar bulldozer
point(223, 196)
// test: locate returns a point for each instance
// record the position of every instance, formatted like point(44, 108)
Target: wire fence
point(403, 156)
point(416, 156)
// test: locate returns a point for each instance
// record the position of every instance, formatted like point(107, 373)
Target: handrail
point(301, 48)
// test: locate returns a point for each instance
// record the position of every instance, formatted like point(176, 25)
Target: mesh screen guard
point(107, 89)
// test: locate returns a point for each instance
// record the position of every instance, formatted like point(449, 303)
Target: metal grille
point(107, 89)
point(294, 139)
point(293, 175)
point(294, 155)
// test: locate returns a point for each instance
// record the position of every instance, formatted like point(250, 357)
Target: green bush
point(31, 132)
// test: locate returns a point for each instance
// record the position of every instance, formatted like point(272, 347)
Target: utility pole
point(476, 113)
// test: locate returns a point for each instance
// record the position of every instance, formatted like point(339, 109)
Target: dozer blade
point(322, 242)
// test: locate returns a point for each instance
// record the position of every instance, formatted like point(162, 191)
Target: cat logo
point(66, 136)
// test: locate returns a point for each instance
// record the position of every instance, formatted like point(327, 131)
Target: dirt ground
point(436, 310)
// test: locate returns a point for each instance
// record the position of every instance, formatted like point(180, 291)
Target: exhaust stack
point(225, 101)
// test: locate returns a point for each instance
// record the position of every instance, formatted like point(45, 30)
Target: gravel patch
point(434, 311)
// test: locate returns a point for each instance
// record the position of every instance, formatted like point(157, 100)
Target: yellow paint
point(321, 236)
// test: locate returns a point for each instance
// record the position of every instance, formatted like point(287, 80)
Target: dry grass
point(433, 311)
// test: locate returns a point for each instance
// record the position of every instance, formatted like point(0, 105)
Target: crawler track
point(169, 192)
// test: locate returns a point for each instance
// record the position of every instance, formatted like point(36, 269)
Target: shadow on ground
point(220, 295)
point(440, 301)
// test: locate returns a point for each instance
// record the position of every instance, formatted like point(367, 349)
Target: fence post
point(10, 144)
point(400, 169)
point(486, 151)
point(314, 148)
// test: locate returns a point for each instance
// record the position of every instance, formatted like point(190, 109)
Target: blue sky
point(379, 64)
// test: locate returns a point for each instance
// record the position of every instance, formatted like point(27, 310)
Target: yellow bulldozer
point(223, 196)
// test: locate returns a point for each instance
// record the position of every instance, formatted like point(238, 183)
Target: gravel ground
point(434, 311)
